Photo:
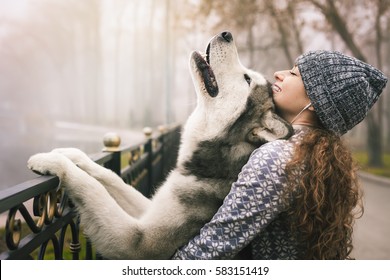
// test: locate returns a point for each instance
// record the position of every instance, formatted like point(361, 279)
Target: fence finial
point(148, 131)
point(111, 142)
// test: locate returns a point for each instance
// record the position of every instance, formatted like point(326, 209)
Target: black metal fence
point(40, 219)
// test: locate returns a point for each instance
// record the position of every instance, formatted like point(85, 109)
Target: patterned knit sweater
point(253, 213)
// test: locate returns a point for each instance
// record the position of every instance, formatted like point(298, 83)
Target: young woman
point(298, 198)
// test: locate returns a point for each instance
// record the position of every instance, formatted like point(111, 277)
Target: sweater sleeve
point(252, 204)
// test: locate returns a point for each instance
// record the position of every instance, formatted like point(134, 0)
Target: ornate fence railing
point(40, 220)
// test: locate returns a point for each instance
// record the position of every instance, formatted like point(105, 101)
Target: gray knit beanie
point(342, 89)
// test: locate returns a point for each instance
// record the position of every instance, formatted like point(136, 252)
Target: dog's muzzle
point(203, 63)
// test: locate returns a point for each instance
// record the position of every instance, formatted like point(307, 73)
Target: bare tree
point(277, 22)
point(282, 28)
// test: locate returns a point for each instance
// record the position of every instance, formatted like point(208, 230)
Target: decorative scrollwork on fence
point(46, 206)
point(136, 154)
point(13, 229)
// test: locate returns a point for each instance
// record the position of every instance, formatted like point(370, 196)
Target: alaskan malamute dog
point(234, 115)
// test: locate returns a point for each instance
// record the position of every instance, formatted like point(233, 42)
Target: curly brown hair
point(327, 195)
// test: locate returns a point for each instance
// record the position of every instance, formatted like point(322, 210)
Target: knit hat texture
point(342, 89)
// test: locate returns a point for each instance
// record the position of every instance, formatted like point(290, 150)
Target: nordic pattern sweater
point(253, 213)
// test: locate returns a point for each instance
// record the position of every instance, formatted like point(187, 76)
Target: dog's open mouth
point(203, 64)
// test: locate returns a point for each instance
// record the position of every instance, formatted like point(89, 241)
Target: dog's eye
point(248, 79)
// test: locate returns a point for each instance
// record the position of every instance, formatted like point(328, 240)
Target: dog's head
point(231, 99)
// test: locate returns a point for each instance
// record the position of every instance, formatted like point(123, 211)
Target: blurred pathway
point(372, 231)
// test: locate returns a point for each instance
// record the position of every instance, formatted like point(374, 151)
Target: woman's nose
point(278, 75)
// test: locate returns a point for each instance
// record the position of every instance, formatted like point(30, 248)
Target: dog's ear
point(272, 127)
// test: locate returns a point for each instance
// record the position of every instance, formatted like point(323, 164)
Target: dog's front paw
point(48, 164)
point(77, 156)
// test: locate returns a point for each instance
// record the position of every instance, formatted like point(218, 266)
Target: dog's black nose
point(227, 36)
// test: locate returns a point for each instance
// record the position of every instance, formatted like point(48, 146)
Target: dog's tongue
point(207, 75)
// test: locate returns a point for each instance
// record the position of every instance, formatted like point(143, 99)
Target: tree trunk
point(280, 22)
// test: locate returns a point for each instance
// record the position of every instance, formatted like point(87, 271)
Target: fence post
point(163, 139)
point(111, 142)
point(148, 149)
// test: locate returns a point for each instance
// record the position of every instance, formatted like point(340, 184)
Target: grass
point(362, 159)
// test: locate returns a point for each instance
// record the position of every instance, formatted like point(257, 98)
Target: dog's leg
point(115, 233)
point(131, 200)
point(103, 220)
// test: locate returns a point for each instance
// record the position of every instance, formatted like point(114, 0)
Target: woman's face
point(289, 93)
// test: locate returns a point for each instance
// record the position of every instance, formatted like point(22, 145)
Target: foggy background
point(72, 70)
